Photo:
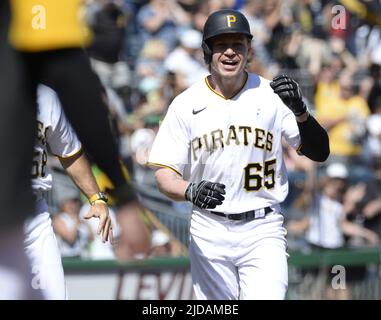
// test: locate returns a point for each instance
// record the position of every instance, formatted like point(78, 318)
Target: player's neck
point(227, 87)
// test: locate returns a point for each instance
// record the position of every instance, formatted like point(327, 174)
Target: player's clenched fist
point(288, 90)
point(205, 194)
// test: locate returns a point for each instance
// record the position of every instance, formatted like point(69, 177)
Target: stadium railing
point(169, 277)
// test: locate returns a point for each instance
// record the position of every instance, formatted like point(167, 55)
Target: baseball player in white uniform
point(55, 133)
point(220, 147)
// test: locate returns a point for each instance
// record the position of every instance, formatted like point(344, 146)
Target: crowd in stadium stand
point(147, 52)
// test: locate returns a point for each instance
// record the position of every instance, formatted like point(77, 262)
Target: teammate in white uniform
point(55, 133)
point(219, 147)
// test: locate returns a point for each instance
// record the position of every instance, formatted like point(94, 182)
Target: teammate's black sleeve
point(314, 140)
point(68, 72)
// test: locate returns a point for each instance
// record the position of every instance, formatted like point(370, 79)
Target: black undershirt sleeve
point(314, 140)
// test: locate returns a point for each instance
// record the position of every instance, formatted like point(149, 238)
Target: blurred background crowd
point(147, 52)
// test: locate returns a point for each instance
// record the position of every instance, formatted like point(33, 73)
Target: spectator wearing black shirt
point(370, 205)
point(109, 28)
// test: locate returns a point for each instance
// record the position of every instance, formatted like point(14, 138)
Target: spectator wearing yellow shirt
point(344, 118)
point(327, 86)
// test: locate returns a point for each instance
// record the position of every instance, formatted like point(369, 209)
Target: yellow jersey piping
point(220, 95)
point(162, 166)
point(71, 154)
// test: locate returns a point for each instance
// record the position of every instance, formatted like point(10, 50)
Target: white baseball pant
point(233, 260)
point(42, 249)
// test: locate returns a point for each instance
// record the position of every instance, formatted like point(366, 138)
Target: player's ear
point(250, 57)
point(250, 53)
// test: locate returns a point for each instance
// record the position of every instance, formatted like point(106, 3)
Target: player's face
point(230, 53)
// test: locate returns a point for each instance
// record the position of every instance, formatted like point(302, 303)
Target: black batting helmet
point(225, 21)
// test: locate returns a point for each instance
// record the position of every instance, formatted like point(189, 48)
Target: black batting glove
point(288, 90)
point(205, 194)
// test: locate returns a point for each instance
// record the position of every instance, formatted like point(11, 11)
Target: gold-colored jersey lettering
point(40, 159)
point(217, 136)
point(206, 144)
point(269, 141)
point(269, 173)
point(253, 180)
point(245, 130)
point(217, 139)
point(259, 136)
point(232, 135)
point(41, 132)
point(259, 175)
point(196, 145)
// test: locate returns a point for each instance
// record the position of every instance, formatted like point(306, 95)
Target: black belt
point(248, 215)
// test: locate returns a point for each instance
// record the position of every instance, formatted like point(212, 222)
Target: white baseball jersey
point(236, 141)
point(325, 223)
point(55, 133)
